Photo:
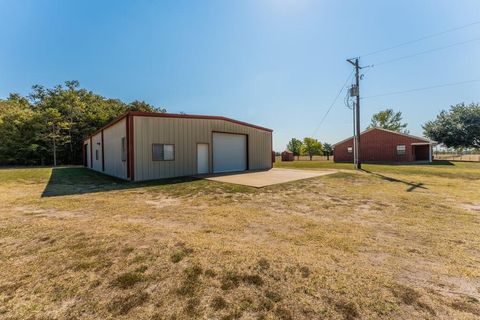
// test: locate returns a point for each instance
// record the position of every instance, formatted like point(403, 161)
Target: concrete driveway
point(260, 179)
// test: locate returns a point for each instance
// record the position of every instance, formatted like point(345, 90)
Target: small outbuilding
point(140, 146)
point(287, 155)
point(382, 145)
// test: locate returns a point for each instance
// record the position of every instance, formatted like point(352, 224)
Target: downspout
point(91, 153)
point(103, 154)
point(132, 151)
point(127, 142)
point(130, 145)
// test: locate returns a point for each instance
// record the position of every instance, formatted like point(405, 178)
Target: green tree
point(143, 106)
point(17, 136)
point(295, 146)
point(312, 147)
point(327, 150)
point(388, 119)
point(49, 124)
point(55, 132)
point(458, 128)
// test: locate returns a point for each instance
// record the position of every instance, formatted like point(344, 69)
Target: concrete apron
point(265, 178)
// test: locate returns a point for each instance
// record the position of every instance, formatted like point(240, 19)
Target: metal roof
point(174, 115)
point(391, 131)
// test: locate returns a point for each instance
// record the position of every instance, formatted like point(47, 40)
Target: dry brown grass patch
point(345, 246)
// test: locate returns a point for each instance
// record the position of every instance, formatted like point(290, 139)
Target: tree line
point(309, 147)
point(48, 125)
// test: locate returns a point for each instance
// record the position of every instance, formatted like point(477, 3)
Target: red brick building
point(381, 145)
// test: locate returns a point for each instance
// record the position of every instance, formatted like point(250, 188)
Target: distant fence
point(306, 158)
point(457, 157)
point(451, 157)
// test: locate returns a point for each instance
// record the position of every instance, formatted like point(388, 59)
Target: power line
point(426, 51)
point(423, 88)
point(421, 39)
point(346, 100)
point(333, 103)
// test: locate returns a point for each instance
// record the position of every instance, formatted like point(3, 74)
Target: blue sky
point(276, 63)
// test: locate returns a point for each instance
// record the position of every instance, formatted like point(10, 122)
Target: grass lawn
point(388, 242)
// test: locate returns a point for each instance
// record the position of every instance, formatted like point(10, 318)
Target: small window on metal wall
point(163, 152)
point(96, 154)
point(349, 149)
point(124, 149)
point(401, 149)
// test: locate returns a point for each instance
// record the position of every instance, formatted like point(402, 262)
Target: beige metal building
point(141, 146)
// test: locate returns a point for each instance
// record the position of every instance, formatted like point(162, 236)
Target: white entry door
point(229, 152)
point(202, 158)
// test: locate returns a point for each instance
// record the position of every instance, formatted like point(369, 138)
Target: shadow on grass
point(442, 163)
point(76, 180)
point(412, 163)
point(411, 186)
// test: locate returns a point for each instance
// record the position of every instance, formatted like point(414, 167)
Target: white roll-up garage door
point(229, 152)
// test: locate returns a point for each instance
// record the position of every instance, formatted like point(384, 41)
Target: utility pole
point(356, 92)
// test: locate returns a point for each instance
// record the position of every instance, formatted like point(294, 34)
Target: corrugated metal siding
point(112, 139)
point(185, 133)
point(377, 145)
point(97, 147)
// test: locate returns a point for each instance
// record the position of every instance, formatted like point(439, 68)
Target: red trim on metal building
point(127, 130)
point(129, 116)
point(189, 116)
point(130, 148)
point(174, 115)
point(103, 155)
point(91, 153)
